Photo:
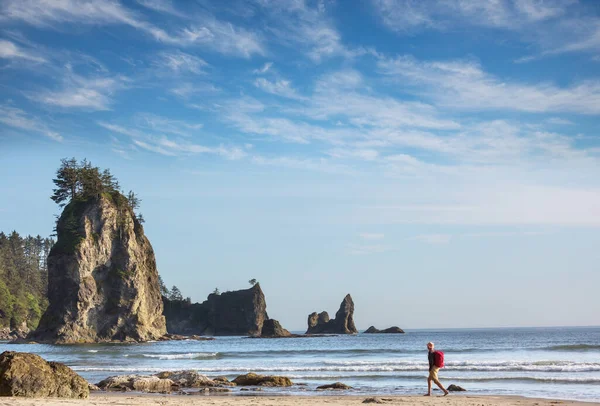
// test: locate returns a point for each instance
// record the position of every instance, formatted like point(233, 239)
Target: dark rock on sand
point(240, 312)
point(376, 400)
point(342, 324)
point(141, 383)
point(391, 330)
point(102, 278)
point(334, 386)
point(455, 388)
point(272, 328)
point(252, 379)
point(166, 381)
point(188, 379)
point(29, 375)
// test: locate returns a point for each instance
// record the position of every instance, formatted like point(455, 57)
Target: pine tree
point(175, 294)
point(67, 181)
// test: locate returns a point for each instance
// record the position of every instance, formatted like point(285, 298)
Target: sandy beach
point(253, 400)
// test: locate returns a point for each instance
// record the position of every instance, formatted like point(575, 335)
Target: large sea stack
point(240, 312)
point(102, 278)
point(342, 324)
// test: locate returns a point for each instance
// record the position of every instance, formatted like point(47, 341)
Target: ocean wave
point(417, 377)
point(573, 347)
point(190, 355)
point(93, 351)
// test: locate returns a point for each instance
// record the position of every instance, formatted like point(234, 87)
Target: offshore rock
point(342, 324)
point(334, 386)
point(391, 330)
point(29, 375)
point(102, 277)
point(237, 313)
point(272, 328)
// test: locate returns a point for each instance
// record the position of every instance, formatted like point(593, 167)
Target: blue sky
point(438, 160)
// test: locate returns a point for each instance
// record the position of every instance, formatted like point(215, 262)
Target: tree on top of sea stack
point(102, 279)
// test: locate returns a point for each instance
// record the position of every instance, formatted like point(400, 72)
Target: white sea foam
point(94, 351)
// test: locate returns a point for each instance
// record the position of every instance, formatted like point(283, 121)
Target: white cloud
point(410, 15)
point(9, 50)
point(186, 90)
point(280, 87)
point(310, 164)
point(465, 85)
point(219, 36)
point(180, 62)
point(79, 92)
point(17, 118)
point(265, 68)
point(159, 143)
point(297, 24)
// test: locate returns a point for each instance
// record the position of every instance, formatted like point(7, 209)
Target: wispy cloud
point(162, 144)
point(17, 118)
point(265, 68)
point(280, 87)
point(180, 62)
point(553, 26)
point(92, 93)
point(9, 50)
point(409, 15)
point(207, 31)
point(465, 85)
point(295, 22)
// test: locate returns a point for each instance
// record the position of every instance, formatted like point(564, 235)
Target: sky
point(437, 160)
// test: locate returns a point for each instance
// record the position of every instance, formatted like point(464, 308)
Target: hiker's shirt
point(431, 357)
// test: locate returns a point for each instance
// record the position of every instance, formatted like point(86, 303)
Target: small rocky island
point(237, 313)
point(320, 323)
point(390, 330)
point(102, 277)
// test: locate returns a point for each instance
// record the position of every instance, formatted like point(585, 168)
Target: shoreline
point(254, 399)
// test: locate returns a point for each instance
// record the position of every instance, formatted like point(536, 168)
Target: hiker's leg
point(428, 386)
point(438, 383)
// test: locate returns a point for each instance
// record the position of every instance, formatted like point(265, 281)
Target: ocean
point(560, 363)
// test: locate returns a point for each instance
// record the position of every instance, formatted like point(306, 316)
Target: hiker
point(436, 361)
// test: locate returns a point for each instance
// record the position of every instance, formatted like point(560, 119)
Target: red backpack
point(438, 359)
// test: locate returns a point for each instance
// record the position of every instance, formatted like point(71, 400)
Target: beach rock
point(187, 379)
point(29, 375)
point(179, 337)
point(391, 330)
point(221, 380)
point(93, 388)
point(237, 313)
point(252, 379)
point(251, 389)
point(140, 383)
point(373, 400)
point(334, 386)
point(455, 388)
point(272, 328)
point(102, 278)
point(342, 324)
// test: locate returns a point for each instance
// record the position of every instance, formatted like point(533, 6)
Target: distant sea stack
point(342, 324)
point(391, 330)
point(102, 278)
point(241, 312)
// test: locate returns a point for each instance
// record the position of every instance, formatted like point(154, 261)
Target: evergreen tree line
point(23, 279)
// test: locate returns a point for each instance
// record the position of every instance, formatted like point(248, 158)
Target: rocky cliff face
point(342, 324)
point(241, 312)
point(102, 277)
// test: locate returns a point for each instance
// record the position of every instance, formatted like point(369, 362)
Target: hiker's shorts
point(433, 373)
